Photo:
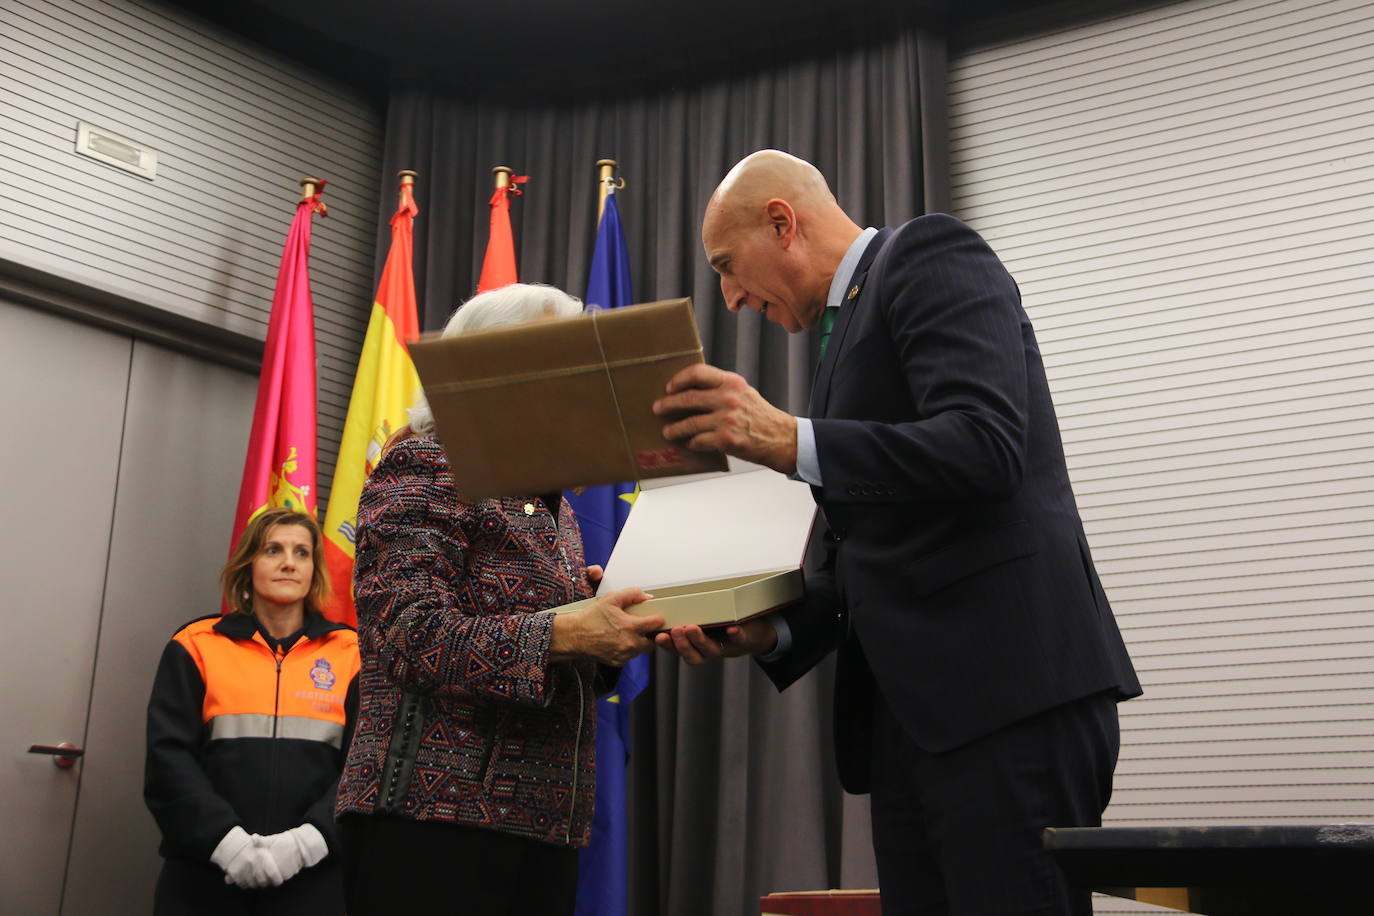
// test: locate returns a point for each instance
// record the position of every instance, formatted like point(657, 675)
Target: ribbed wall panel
point(1184, 194)
point(234, 127)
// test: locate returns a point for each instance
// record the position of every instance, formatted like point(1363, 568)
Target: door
point(185, 432)
point(118, 489)
point(62, 409)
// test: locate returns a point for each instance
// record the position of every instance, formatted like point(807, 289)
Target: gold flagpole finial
point(407, 177)
point(502, 173)
point(606, 183)
point(311, 189)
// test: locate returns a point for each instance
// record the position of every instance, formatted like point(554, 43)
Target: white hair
point(509, 305)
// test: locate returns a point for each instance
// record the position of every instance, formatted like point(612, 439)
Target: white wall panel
point(234, 126)
point(1184, 194)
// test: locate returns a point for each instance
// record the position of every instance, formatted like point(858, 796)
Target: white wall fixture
point(112, 149)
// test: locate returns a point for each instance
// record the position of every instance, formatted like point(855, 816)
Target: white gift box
point(713, 549)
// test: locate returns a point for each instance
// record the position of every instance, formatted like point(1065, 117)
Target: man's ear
point(782, 220)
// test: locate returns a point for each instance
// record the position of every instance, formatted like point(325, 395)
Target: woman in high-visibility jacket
point(250, 717)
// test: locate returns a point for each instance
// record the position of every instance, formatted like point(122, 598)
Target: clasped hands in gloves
point(252, 861)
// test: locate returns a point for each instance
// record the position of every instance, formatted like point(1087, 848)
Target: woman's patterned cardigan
point(463, 718)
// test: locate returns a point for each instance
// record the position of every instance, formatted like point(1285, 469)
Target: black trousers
point(958, 833)
point(396, 865)
point(186, 888)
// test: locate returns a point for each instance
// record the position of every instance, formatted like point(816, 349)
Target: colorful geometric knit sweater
point(462, 717)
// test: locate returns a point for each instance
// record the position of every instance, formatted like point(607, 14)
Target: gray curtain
point(733, 789)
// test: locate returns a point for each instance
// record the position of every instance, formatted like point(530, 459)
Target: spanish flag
point(383, 388)
point(279, 469)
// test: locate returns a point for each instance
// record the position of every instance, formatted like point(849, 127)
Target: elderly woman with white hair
point(470, 781)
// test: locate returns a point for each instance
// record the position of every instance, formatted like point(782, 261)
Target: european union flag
point(602, 878)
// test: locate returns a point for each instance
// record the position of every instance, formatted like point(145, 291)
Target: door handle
point(63, 755)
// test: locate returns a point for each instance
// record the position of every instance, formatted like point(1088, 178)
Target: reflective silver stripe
point(257, 725)
point(249, 725)
point(310, 730)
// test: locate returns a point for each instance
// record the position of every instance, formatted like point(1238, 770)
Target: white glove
point(294, 849)
point(244, 864)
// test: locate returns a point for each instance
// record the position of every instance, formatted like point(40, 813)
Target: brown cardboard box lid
point(567, 402)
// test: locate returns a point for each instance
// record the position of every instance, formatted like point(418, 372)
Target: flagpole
point(502, 173)
point(407, 177)
point(602, 882)
point(607, 182)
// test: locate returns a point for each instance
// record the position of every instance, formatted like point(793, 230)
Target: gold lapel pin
point(854, 291)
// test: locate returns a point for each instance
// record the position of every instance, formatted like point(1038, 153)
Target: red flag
point(280, 466)
point(498, 267)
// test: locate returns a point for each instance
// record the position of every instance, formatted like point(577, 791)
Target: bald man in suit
point(979, 662)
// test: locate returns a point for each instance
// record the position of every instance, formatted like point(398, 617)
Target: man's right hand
point(694, 645)
point(602, 631)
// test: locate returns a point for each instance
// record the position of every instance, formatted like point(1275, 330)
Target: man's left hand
point(728, 415)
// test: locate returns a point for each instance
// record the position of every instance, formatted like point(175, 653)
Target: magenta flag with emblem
point(279, 469)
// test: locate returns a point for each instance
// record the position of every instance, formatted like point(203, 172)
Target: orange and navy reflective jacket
point(240, 734)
